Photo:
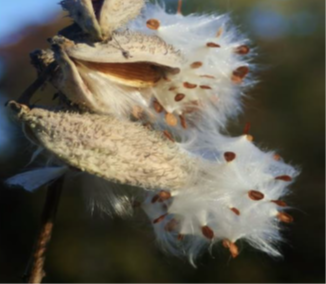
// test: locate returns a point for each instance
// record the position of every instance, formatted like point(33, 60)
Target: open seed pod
point(100, 18)
point(114, 76)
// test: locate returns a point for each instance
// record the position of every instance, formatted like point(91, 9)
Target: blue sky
point(15, 14)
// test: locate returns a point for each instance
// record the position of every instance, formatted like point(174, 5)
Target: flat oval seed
point(157, 106)
point(196, 64)
point(212, 44)
point(280, 203)
point(204, 87)
point(159, 219)
point(168, 135)
point(179, 97)
point(285, 217)
point(235, 211)
point(188, 85)
point(164, 195)
point(207, 232)
point(153, 24)
point(229, 156)
point(183, 121)
point(284, 178)
point(255, 195)
point(207, 76)
point(171, 119)
point(242, 49)
point(239, 74)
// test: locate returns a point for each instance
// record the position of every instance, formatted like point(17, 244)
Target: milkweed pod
point(82, 12)
point(113, 75)
point(116, 13)
point(105, 147)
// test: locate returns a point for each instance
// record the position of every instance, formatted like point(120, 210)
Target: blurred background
point(286, 111)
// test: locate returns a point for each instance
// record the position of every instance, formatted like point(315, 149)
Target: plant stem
point(34, 271)
point(38, 83)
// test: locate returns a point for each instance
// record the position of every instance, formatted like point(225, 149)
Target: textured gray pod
point(118, 151)
point(100, 19)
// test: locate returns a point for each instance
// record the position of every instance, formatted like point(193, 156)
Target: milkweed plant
point(144, 97)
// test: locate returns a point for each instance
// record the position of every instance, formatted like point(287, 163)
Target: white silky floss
point(185, 77)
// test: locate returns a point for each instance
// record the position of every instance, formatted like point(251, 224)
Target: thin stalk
point(35, 269)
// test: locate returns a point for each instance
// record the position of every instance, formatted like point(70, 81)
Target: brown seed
point(207, 232)
point(284, 178)
point(229, 156)
point(236, 211)
point(255, 195)
point(204, 87)
point(179, 97)
point(153, 24)
point(242, 49)
point(179, 10)
point(196, 64)
point(207, 76)
point(247, 128)
point(188, 85)
point(155, 198)
point(159, 219)
point(183, 121)
point(280, 203)
point(173, 88)
point(171, 119)
point(239, 74)
point(171, 225)
point(212, 44)
point(168, 135)
point(277, 157)
point(285, 217)
point(164, 195)
point(250, 138)
point(157, 106)
point(232, 247)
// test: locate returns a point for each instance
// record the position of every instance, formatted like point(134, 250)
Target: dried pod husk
point(115, 76)
point(82, 12)
point(118, 151)
point(109, 15)
point(114, 14)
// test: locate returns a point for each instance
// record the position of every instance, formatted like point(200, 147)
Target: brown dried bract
point(207, 232)
point(171, 119)
point(255, 195)
point(285, 217)
point(212, 44)
point(188, 85)
point(229, 156)
point(242, 50)
point(196, 64)
point(179, 97)
point(284, 178)
point(153, 24)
